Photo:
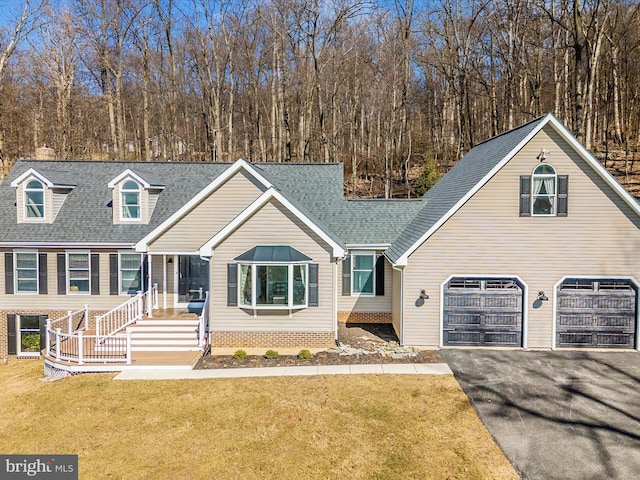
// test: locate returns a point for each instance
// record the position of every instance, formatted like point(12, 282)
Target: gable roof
point(52, 178)
point(472, 172)
point(146, 179)
point(271, 194)
point(86, 217)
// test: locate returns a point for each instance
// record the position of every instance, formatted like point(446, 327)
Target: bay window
point(273, 286)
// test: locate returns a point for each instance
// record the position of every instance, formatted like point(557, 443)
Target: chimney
point(45, 153)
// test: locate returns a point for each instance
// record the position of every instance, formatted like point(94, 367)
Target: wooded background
point(392, 88)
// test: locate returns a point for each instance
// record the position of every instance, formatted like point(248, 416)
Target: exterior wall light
point(423, 295)
point(542, 297)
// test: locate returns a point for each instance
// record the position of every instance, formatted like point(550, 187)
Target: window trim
point(534, 196)
point(19, 332)
point(25, 194)
point(285, 306)
point(67, 271)
point(363, 253)
point(16, 291)
point(122, 192)
point(120, 254)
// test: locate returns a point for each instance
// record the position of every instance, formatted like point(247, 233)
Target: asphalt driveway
point(557, 415)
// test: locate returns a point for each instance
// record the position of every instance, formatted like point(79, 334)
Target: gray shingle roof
point(315, 189)
point(86, 215)
point(459, 181)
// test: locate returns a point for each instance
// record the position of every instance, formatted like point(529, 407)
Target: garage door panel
point(482, 312)
point(600, 313)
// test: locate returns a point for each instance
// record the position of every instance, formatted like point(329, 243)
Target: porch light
point(542, 297)
point(423, 295)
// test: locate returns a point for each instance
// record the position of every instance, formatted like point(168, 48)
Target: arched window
point(130, 200)
point(34, 200)
point(543, 190)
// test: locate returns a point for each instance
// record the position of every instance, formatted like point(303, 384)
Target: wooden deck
point(158, 346)
point(174, 314)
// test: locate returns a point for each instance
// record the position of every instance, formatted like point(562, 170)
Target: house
point(527, 242)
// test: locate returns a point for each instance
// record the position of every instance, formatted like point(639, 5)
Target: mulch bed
point(364, 336)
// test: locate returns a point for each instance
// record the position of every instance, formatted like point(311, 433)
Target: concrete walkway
point(377, 369)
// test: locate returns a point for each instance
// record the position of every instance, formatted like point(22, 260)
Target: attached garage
point(596, 313)
point(482, 312)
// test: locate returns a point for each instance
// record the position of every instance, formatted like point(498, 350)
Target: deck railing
point(72, 321)
point(129, 312)
point(79, 348)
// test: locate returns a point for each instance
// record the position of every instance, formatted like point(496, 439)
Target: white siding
point(206, 219)
point(272, 225)
point(487, 236)
point(358, 303)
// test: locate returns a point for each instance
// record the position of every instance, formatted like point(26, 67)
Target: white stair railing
point(127, 313)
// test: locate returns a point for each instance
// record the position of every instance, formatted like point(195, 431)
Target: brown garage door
point(482, 311)
point(597, 313)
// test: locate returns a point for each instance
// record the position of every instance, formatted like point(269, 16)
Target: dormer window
point(135, 194)
point(34, 200)
point(130, 200)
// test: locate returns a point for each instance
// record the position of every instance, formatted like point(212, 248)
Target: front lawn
point(325, 427)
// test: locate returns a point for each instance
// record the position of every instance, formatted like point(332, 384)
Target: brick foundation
point(364, 317)
point(273, 339)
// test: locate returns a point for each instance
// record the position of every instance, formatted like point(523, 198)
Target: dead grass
point(356, 427)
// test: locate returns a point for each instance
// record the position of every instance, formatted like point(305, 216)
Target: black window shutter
point(346, 276)
point(144, 272)
point(62, 274)
point(313, 285)
point(8, 273)
point(380, 276)
point(42, 274)
point(11, 335)
point(43, 331)
point(232, 285)
point(525, 196)
point(563, 195)
point(95, 274)
point(113, 274)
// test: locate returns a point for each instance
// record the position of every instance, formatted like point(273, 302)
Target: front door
point(193, 278)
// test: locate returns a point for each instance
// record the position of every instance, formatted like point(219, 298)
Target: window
point(34, 200)
point(78, 273)
point(543, 195)
point(29, 334)
point(130, 273)
point(130, 201)
point(273, 286)
point(26, 274)
point(362, 274)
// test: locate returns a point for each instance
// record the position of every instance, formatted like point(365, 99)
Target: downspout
point(401, 306)
point(335, 300)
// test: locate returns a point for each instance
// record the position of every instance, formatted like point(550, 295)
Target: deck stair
point(164, 335)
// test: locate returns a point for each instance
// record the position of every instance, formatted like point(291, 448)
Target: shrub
point(272, 354)
point(304, 354)
point(240, 355)
point(427, 178)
